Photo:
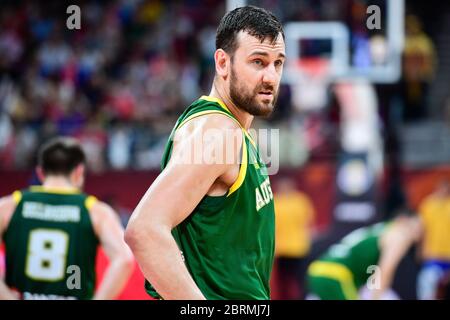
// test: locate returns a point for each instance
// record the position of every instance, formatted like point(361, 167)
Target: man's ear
point(222, 60)
point(78, 175)
point(40, 174)
point(81, 169)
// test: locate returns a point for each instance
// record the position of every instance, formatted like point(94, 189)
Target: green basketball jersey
point(51, 245)
point(357, 251)
point(227, 242)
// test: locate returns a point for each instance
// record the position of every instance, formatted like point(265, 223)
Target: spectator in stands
point(294, 217)
point(419, 63)
point(435, 248)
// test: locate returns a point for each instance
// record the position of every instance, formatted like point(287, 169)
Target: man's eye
point(258, 62)
point(278, 63)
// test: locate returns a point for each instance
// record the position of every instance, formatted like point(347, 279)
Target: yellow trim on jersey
point(242, 170)
point(217, 100)
point(17, 196)
point(244, 160)
point(54, 190)
point(338, 272)
point(202, 113)
point(90, 201)
point(222, 104)
point(249, 138)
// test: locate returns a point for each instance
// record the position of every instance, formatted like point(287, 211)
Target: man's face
point(256, 69)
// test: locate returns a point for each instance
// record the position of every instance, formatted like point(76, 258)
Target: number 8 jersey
point(51, 245)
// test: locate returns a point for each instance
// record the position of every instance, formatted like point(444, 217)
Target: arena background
point(369, 138)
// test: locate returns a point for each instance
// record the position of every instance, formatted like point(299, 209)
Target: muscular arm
point(170, 200)
point(394, 245)
point(7, 207)
point(121, 263)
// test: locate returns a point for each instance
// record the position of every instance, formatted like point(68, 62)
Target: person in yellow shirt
point(294, 216)
point(435, 247)
point(419, 68)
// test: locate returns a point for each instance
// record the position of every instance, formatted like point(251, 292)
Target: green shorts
point(331, 281)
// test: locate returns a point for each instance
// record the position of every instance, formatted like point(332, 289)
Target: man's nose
point(271, 75)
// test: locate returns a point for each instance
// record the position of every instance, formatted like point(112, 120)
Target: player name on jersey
point(47, 212)
point(263, 194)
point(40, 296)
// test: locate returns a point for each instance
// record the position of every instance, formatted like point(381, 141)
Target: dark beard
point(247, 101)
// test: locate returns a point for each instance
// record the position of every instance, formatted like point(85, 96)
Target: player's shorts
point(429, 277)
point(331, 281)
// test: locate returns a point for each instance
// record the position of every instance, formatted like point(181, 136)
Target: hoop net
point(309, 91)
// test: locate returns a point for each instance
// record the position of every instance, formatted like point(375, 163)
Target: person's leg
point(301, 277)
point(428, 281)
point(283, 279)
point(288, 275)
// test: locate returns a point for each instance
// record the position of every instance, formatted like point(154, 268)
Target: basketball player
point(205, 228)
point(51, 233)
point(370, 252)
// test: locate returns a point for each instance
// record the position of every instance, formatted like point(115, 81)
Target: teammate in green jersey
point(367, 256)
point(51, 233)
point(205, 228)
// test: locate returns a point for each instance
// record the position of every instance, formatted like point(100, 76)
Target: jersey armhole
point(89, 202)
point(202, 113)
point(17, 196)
point(244, 157)
point(242, 169)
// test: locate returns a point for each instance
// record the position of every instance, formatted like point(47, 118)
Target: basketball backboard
point(342, 32)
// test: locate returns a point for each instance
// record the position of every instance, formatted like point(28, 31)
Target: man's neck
point(244, 118)
point(58, 182)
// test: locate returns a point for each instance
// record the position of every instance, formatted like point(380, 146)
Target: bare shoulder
point(214, 121)
point(102, 213)
point(102, 208)
point(395, 235)
point(7, 206)
point(8, 201)
point(208, 134)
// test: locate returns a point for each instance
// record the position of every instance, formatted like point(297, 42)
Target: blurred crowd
point(119, 83)
point(116, 84)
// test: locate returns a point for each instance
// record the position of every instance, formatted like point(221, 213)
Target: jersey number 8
point(47, 254)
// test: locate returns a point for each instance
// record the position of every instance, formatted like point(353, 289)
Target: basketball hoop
point(315, 66)
point(311, 80)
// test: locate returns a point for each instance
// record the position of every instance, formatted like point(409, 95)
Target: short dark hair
point(60, 156)
point(258, 22)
